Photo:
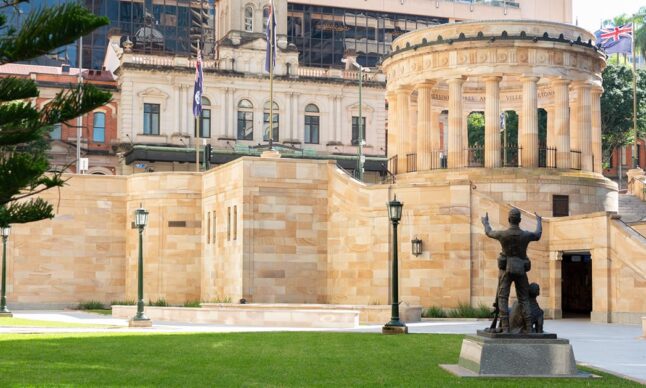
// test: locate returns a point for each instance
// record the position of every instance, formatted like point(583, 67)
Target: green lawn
point(14, 322)
point(249, 359)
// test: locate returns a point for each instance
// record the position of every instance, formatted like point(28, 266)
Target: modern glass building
point(323, 34)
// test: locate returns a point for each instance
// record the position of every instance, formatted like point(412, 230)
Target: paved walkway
point(612, 347)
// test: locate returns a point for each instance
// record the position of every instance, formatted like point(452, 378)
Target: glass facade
point(323, 34)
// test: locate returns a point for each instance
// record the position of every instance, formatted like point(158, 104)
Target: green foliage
point(192, 303)
point(160, 302)
point(24, 127)
point(294, 359)
point(476, 129)
point(434, 312)
point(219, 299)
point(91, 305)
point(617, 107)
point(127, 302)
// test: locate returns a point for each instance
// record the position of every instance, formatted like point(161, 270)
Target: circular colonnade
point(494, 66)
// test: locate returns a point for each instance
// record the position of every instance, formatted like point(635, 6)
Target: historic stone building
point(280, 230)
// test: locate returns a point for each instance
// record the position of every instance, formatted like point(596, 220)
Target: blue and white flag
point(616, 39)
point(197, 90)
point(270, 59)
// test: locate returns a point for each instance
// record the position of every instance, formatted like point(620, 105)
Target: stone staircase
point(631, 208)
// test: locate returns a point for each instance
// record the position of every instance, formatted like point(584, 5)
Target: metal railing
point(510, 156)
point(547, 157)
point(475, 156)
point(391, 165)
point(576, 160)
point(438, 160)
point(411, 162)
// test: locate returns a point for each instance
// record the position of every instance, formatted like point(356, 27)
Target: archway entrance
point(576, 287)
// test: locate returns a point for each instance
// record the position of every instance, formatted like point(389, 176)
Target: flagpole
point(632, 50)
point(271, 79)
point(195, 120)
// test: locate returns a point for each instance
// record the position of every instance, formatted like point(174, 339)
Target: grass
point(249, 359)
point(192, 303)
point(91, 305)
point(100, 311)
point(20, 322)
point(161, 302)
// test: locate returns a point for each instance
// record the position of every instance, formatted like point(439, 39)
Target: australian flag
point(270, 60)
point(616, 39)
point(197, 90)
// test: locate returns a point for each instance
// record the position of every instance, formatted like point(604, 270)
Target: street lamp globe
point(141, 217)
point(395, 210)
point(5, 230)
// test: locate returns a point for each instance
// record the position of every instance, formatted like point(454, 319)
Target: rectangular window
point(56, 132)
point(245, 125)
point(311, 129)
point(151, 119)
point(98, 128)
point(208, 228)
point(265, 136)
point(235, 222)
point(214, 229)
point(355, 129)
point(228, 223)
point(560, 206)
point(205, 123)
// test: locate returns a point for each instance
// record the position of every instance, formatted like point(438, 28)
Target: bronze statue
point(513, 265)
point(516, 318)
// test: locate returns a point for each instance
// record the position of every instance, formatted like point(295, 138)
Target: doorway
point(576, 287)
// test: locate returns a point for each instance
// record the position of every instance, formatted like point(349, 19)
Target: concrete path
point(611, 347)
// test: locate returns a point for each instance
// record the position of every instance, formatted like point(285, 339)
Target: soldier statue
point(513, 265)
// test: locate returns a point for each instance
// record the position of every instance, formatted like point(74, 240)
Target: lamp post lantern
point(4, 311)
point(361, 158)
point(395, 326)
point(139, 320)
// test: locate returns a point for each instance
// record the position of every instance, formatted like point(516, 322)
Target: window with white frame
point(248, 18)
point(245, 120)
point(275, 127)
point(312, 124)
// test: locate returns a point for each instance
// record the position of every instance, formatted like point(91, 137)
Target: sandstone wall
point(78, 255)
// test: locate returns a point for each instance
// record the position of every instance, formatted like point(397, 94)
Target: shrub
point(91, 305)
point(128, 302)
point(160, 302)
point(434, 312)
point(224, 299)
point(465, 310)
point(192, 303)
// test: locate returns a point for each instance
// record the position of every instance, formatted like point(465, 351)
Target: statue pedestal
point(514, 355)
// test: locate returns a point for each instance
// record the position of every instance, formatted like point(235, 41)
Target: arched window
point(265, 16)
point(56, 132)
point(248, 18)
point(245, 120)
point(312, 122)
point(205, 118)
point(275, 128)
point(98, 128)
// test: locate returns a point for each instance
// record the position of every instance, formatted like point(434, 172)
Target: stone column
point(550, 157)
point(403, 102)
point(584, 123)
point(561, 111)
point(411, 141)
point(528, 134)
point(392, 127)
point(596, 128)
point(436, 138)
point(456, 150)
point(424, 126)
point(492, 122)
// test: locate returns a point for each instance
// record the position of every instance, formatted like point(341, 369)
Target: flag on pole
point(616, 39)
point(270, 59)
point(197, 90)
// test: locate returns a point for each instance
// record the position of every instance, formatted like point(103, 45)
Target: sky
point(591, 12)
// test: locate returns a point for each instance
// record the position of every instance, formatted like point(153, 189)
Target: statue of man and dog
point(513, 264)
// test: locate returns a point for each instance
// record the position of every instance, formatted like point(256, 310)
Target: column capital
point(492, 78)
point(428, 84)
point(597, 89)
point(582, 84)
point(560, 82)
point(405, 89)
point(529, 78)
point(456, 80)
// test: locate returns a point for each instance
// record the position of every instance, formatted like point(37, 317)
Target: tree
point(640, 33)
point(23, 164)
point(617, 107)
